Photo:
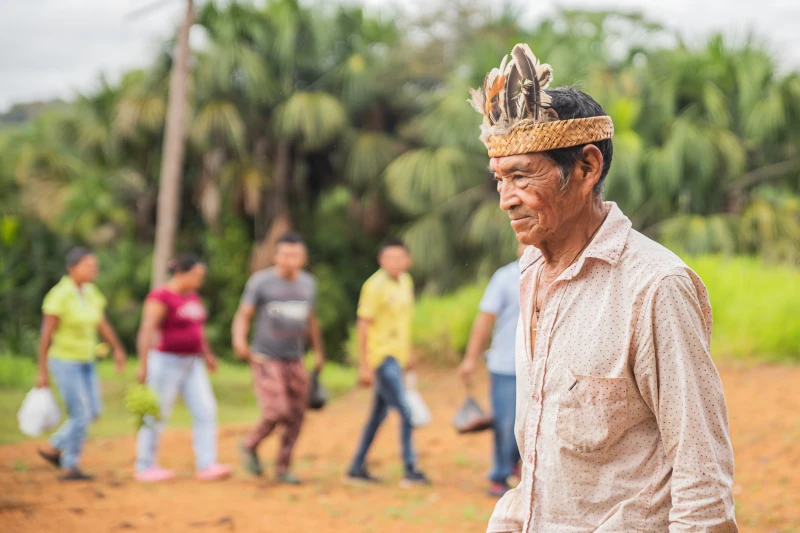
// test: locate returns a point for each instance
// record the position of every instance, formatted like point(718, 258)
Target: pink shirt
point(621, 417)
point(182, 328)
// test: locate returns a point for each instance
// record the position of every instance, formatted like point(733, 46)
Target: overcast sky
point(54, 48)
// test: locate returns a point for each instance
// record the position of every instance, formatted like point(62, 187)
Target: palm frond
point(216, 123)
point(421, 179)
point(369, 155)
point(314, 120)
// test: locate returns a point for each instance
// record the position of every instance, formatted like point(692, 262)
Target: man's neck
point(393, 276)
point(288, 275)
point(562, 249)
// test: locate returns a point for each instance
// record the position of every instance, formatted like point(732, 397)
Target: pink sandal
point(154, 474)
point(214, 472)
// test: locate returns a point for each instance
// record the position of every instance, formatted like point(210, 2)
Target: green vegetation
point(141, 401)
point(756, 309)
point(351, 128)
point(442, 323)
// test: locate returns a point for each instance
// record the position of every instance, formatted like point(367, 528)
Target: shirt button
point(536, 398)
point(530, 458)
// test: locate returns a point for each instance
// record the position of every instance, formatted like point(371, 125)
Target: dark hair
point(76, 255)
point(391, 242)
point(291, 237)
point(570, 103)
point(184, 263)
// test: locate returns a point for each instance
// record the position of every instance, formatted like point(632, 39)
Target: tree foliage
point(351, 128)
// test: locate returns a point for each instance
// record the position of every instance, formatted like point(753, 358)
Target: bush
point(442, 324)
point(756, 307)
point(756, 313)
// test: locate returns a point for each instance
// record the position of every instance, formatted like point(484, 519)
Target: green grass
point(442, 323)
point(232, 386)
point(756, 307)
point(756, 313)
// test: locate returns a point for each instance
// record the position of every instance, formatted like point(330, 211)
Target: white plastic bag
point(420, 414)
point(39, 412)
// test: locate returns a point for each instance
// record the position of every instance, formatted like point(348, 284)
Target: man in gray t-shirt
point(283, 308)
point(282, 299)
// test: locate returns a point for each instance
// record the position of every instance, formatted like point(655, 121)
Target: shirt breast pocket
point(594, 413)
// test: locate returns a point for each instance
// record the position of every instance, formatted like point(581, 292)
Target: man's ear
point(588, 169)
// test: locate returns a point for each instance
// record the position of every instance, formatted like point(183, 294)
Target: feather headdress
point(517, 117)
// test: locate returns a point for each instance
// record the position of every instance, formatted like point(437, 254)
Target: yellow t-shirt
point(79, 313)
point(389, 306)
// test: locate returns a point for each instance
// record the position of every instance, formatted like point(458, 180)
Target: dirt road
point(764, 404)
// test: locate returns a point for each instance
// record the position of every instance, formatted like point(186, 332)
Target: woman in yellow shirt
point(74, 311)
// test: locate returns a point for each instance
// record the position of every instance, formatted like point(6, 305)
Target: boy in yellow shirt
point(385, 311)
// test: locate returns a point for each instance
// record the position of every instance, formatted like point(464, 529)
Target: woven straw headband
point(543, 136)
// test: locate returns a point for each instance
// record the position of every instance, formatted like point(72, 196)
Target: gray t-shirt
point(282, 311)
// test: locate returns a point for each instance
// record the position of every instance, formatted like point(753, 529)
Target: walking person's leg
point(377, 415)
point(164, 375)
point(394, 394)
point(199, 397)
point(95, 393)
point(297, 389)
point(75, 388)
point(504, 398)
point(269, 386)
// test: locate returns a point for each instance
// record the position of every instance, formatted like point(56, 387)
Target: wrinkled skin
point(556, 220)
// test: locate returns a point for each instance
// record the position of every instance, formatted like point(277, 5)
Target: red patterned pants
point(281, 388)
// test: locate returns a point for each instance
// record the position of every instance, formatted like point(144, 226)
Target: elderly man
point(621, 418)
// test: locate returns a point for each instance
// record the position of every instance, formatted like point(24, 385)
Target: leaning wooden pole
point(169, 188)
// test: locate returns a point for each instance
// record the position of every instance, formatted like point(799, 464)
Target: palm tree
point(302, 85)
point(172, 156)
point(715, 133)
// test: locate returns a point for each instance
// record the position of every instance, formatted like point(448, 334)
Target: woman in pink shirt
point(173, 357)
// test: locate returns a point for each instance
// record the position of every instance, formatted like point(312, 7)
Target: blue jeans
point(504, 406)
point(389, 392)
point(80, 389)
point(169, 375)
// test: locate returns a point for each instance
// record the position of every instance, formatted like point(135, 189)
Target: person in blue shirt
point(499, 308)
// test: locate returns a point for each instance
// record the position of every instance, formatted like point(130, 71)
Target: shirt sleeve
point(492, 301)
point(251, 294)
point(157, 295)
point(312, 303)
point(369, 301)
point(680, 383)
point(54, 303)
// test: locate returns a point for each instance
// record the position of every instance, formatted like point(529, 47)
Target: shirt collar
point(69, 283)
point(607, 245)
point(386, 275)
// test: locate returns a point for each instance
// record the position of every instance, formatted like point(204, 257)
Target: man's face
point(531, 194)
point(395, 260)
point(290, 257)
